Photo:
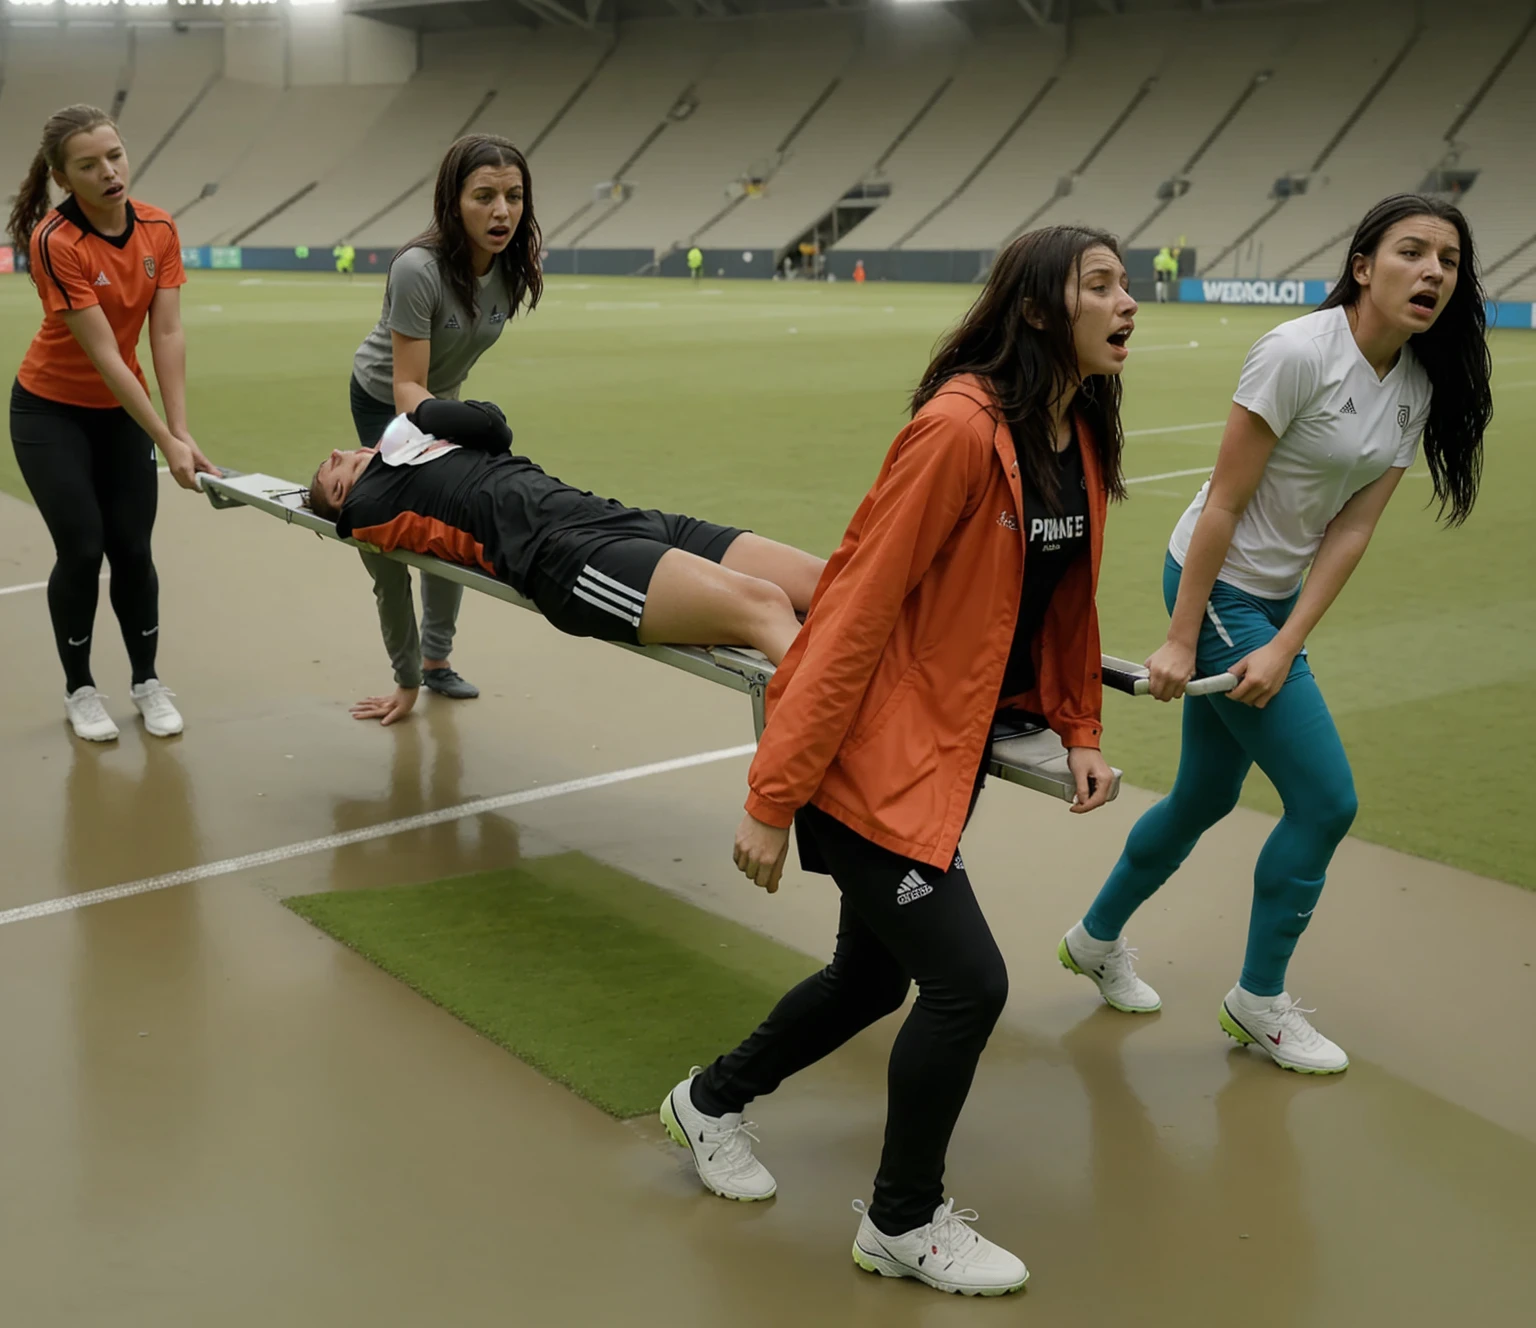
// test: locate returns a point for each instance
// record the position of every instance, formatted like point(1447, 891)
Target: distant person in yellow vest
point(1166, 269)
point(695, 262)
point(345, 256)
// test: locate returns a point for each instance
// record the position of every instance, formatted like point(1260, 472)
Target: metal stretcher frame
point(1034, 759)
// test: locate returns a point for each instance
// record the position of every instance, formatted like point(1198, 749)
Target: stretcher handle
point(1124, 676)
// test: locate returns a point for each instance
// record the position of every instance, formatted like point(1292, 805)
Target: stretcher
point(1024, 750)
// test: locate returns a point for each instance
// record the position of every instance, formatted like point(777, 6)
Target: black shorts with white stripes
point(593, 580)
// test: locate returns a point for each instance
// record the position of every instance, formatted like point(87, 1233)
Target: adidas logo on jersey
point(497, 316)
point(1349, 408)
point(1007, 520)
point(101, 280)
point(452, 325)
point(912, 887)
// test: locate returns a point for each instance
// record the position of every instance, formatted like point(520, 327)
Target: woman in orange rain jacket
point(966, 579)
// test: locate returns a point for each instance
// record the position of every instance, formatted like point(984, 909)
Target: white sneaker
point(946, 1254)
point(88, 717)
point(721, 1146)
point(153, 699)
point(1109, 964)
point(1280, 1027)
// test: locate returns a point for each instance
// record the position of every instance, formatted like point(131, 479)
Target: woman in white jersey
point(1328, 415)
point(450, 292)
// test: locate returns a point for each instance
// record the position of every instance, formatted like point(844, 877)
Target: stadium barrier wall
point(940, 265)
point(557, 262)
point(1310, 294)
point(597, 262)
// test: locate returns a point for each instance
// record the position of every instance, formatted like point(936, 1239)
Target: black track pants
point(901, 921)
point(92, 475)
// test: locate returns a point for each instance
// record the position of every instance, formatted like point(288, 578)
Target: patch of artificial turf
point(600, 981)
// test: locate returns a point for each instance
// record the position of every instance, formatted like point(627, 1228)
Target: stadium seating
point(643, 78)
point(208, 149)
point(752, 97)
point(39, 66)
point(902, 61)
point(1394, 144)
point(169, 70)
point(993, 83)
point(1502, 204)
point(1353, 94)
point(284, 154)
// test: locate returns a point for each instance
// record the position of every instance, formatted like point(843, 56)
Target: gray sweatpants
point(397, 616)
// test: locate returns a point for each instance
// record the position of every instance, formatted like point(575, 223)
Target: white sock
point(1249, 1001)
point(1080, 940)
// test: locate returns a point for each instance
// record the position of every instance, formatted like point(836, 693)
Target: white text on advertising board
point(1255, 292)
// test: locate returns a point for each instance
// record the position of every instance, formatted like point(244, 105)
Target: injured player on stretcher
point(444, 481)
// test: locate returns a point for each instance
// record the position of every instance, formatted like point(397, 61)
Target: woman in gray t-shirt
point(450, 292)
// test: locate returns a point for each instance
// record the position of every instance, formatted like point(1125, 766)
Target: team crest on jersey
point(1402, 417)
point(149, 267)
point(452, 325)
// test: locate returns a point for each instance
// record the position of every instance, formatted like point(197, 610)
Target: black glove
point(479, 425)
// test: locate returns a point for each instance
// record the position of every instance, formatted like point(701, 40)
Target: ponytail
point(31, 204)
point(32, 201)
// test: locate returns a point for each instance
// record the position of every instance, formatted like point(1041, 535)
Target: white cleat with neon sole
point(721, 1146)
point(1279, 1026)
point(1110, 965)
point(945, 1254)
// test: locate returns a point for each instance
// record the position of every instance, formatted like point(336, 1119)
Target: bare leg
point(692, 601)
point(794, 571)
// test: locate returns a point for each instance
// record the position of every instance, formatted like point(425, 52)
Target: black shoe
point(445, 682)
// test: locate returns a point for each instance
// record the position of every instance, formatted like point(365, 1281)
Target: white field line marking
point(189, 875)
point(1171, 345)
point(38, 585)
point(30, 585)
point(312, 285)
point(1171, 475)
point(1175, 428)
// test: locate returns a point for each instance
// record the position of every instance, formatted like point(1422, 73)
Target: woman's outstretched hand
point(1170, 666)
point(388, 709)
point(1093, 775)
point(760, 852)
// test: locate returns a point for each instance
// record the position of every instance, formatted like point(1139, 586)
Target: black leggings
point(901, 921)
point(92, 473)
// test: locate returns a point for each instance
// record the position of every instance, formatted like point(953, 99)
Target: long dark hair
point(1454, 353)
point(1025, 366)
point(32, 204)
point(519, 261)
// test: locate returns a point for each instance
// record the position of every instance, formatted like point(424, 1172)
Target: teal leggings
point(1292, 740)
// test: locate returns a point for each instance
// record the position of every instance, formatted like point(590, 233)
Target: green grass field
point(545, 960)
point(771, 406)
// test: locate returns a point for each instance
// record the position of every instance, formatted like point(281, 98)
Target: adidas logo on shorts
point(912, 887)
point(1349, 408)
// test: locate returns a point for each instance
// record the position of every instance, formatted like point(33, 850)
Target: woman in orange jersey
point(83, 426)
point(966, 579)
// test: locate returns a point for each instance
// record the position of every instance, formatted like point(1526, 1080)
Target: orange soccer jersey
point(74, 266)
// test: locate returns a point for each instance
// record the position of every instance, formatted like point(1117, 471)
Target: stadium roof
point(593, 14)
